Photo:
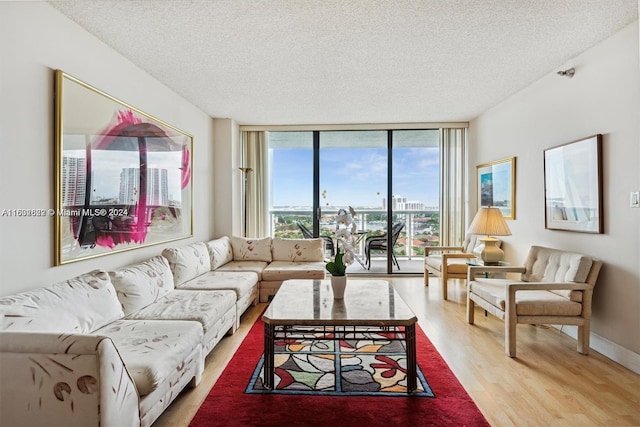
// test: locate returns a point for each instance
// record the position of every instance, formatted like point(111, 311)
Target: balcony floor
point(414, 266)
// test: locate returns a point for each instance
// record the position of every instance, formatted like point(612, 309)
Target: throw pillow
point(220, 252)
point(250, 249)
point(188, 262)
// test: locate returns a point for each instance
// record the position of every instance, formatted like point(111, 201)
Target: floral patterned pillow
point(188, 262)
point(220, 251)
point(297, 249)
point(249, 249)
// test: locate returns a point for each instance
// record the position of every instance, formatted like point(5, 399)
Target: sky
point(354, 176)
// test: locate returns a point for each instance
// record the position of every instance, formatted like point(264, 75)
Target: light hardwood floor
point(547, 384)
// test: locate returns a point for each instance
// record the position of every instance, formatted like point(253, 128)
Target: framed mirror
point(123, 177)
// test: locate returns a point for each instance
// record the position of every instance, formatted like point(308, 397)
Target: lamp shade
point(490, 222)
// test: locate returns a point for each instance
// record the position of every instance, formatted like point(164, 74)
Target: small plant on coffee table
point(337, 267)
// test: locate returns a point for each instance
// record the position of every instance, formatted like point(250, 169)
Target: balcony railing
point(421, 229)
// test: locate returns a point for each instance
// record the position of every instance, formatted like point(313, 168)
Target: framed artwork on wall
point(496, 186)
point(573, 186)
point(123, 177)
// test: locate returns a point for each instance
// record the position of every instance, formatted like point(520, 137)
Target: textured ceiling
point(342, 61)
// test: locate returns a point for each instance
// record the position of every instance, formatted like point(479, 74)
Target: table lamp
point(490, 222)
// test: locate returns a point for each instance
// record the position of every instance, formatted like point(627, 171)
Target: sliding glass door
point(291, 189)
point(388, 179)
point(415, 209)
point(353, 170)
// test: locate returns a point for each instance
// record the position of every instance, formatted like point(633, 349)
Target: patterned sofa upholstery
point(192, 271)
point(69, 356)
point(236, 262)
point(292, 259)
point(116, 348)
point(146, 291)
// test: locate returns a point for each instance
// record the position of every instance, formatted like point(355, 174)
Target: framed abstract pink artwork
point(123, 177)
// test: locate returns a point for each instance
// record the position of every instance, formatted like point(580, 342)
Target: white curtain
point(255, 203)
point(453, 191)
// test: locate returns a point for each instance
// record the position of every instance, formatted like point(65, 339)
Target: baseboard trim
point(613, 351)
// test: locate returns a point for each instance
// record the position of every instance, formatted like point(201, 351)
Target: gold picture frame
point(123, 177)
point(496, 186)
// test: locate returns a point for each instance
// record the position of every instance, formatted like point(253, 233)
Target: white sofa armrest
point(64, 379)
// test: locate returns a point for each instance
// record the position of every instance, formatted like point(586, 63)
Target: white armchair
point(555, 288)
point(450, 262)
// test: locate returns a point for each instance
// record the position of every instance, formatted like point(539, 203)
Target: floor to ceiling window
point(389, 178)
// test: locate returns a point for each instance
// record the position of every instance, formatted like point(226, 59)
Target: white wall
point(603, 97)
point(35, 39)
point(227, 160)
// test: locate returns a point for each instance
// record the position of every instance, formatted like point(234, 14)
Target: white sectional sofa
point(147, 292)
point(273, 260)
point(116, 348)
point(69, 357)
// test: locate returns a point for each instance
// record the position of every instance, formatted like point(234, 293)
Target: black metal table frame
point(273, 331)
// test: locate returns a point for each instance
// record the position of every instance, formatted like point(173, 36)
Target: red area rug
point(228, 404)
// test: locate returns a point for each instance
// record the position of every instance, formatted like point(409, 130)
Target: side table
point(478, 262)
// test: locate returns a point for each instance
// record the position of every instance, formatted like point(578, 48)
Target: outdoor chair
point(379, 243)
point(555, 288)
point(307, 234)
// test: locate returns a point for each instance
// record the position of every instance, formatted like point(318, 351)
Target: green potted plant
point(337, 267)
point(338, 270)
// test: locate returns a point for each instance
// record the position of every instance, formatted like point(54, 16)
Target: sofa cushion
point(187, 262)
point(553, 265)
point(250, 249)
point(297, 249)
point(456, 265)
point(545, 303)
point(154, 350)
point(242, 283)
point(220, 251)
point(528, 302)
point(253, 266)
point(203, 307)
point(81, 305)
point(140, 284)
point(285, 270)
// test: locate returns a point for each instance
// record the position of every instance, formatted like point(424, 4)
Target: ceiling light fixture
point(567, 73)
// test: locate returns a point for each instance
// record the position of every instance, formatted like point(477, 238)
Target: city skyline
point(107, 166)
point(74, 181)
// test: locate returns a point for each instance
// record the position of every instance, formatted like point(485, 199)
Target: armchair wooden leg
point(510, 323)
point(426, 277)
point(471, 305)
point(444, 278)
point(583, 338)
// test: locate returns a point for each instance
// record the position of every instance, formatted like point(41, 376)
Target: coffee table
point(303, 304)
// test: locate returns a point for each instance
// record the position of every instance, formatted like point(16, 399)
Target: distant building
point(399, 203)
point(157, 186)
point(74, 180)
